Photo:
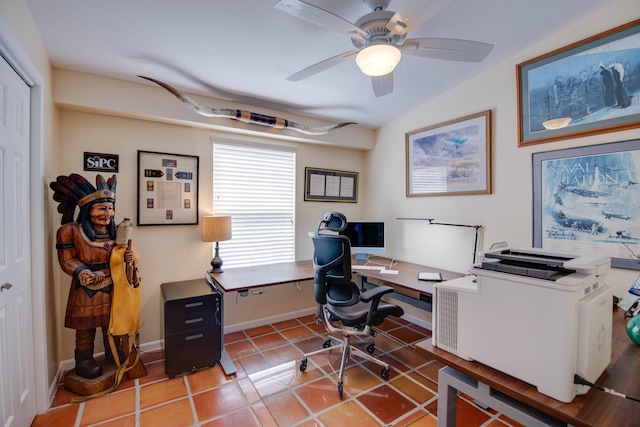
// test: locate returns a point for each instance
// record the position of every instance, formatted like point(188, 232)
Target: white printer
point(536, 315)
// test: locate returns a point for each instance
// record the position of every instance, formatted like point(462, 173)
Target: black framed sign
point(167, 188)
point(327, 185)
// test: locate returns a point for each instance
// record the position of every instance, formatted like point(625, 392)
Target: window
point(256, 186)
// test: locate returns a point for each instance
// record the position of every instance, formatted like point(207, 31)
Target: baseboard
point(268, 320)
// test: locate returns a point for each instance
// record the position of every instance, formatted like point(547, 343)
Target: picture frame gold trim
point(451, 158)
point(586, 89)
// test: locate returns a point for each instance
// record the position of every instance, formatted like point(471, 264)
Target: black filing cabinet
point(192, 325)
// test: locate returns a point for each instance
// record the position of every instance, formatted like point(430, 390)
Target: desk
point(406, 284)
point(596, 408)
point(244, 278)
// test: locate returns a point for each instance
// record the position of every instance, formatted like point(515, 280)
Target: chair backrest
point(332, 263)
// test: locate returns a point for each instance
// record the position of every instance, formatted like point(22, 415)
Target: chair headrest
point(333, 221)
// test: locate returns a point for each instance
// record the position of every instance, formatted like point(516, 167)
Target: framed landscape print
point(167, 188)
point(452, 158)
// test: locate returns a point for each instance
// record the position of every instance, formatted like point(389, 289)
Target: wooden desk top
point(596, 408)
point(241, 278)
point(407, 276)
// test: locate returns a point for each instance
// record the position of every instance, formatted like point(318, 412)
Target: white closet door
point(17, 384)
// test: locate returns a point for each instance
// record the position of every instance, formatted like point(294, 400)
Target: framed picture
point(586, 88)
point(326, 185)
point(452, 158)
point(587, 200)
point(167, 188)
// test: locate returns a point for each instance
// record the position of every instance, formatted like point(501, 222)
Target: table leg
point(447, 400)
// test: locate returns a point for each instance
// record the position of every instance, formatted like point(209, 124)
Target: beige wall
point(172, 253)
point(506, 215)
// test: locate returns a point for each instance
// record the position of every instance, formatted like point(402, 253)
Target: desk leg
point(451, 381)
point(361, 282)
point(447, 400)
point(226, 363)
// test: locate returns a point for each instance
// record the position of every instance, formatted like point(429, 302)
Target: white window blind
point(256, 186)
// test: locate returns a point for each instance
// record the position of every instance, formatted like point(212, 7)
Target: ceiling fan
point(380, 37)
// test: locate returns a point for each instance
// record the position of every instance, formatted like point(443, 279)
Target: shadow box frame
point(584, 200)
point(330, 185)
point(168, 188)
point(450, 153)
point(584, 97)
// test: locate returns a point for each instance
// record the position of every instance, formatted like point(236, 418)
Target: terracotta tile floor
point(269, 390)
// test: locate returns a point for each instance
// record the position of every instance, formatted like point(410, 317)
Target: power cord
point(579, 380)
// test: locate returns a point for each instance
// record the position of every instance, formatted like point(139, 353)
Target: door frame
point(15, 56)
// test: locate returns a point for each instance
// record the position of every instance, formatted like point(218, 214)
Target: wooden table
point(406, 285)
point(407, 277)
point(244, 278)
point(596, 408)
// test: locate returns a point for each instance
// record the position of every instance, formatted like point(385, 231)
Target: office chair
point(342, 307)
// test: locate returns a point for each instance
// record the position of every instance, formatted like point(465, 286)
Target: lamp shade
point(378, 59)
point(216, 228)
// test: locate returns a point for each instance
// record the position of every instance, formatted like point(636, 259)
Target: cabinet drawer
point(192, 313)
point(188, 351)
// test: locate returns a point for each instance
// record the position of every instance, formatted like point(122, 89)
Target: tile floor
point(269, 390)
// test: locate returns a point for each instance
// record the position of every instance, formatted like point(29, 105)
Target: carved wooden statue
point(86, 252)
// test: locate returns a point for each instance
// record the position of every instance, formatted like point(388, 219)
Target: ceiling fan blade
point(382, 85)
point(320, 17)
point(447, 49)
point(413, 13)
point(321, 66)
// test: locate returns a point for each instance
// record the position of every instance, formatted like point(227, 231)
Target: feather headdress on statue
point(74, 190)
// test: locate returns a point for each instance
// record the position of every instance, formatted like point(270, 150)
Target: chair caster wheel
point(371, 348)
point(326, 344)
point(340, 389)
point(385, 373)
point(303, 365)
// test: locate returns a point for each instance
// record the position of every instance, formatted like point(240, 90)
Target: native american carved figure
point(85, 248)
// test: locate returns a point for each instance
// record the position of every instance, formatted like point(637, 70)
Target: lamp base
point(216, 265)
point(216, 262)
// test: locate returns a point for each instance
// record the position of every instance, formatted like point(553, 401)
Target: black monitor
point(366, 238)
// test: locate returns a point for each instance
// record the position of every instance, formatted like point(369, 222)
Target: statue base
point(86, 387)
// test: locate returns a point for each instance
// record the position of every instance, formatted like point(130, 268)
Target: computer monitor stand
point(362, 257)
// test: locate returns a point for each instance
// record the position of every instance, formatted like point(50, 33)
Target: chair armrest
point(375, 293)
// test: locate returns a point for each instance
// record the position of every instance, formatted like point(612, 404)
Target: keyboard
point(366, 267)
point(385, 271)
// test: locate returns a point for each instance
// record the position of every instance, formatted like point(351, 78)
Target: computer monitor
point(366, 238)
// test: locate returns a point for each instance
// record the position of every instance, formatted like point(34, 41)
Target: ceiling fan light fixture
point(378, 59)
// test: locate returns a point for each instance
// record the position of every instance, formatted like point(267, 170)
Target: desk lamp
point(216, 228)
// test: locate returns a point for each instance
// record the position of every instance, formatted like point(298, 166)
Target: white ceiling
point(245, 49)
